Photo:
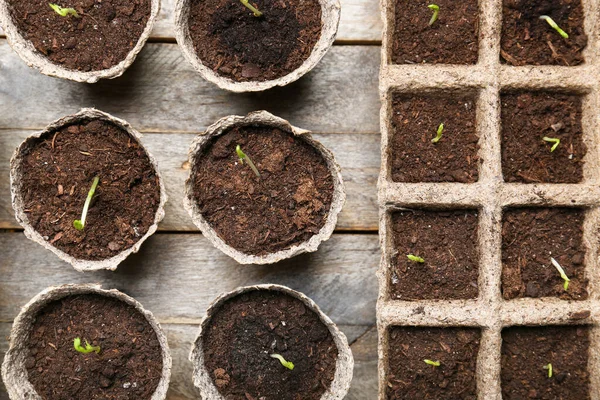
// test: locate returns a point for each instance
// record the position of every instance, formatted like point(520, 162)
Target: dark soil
point(526, 350)
point(58, 171)
point(247, 329)
point(415, 120)
point(530, 236)
point(447, 241)
point(286, 206)
point(452, 39)
point(410, 378)
point(105, 33)
point(526, 119)
point(528, 40)
point(129, 364)
point(229, 39)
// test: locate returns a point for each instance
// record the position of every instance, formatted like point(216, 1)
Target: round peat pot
point(278, 198)
point(93, 41)
point(87, 160)
point(238, 51)
point(128, 354)
point(249, 334)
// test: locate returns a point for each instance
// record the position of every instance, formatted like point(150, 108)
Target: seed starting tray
point(490, 195)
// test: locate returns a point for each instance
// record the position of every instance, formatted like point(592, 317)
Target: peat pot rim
point(17, 202)
point(14, 372)
point(263, 118)
point(343, 367)
point(33, 58)
point(330, 19)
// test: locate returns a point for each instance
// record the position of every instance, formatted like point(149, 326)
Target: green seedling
point(440, 131)
point(556, 142)
point(432, 363)
point(242, 156)
point(288, 364)
point(87, 349)
point(79, 224)
point(549, 368)
point(63, 12)
point(561, 271)
point(415, 258)
point(254, 10)
point(436, 11)
point(553, 24)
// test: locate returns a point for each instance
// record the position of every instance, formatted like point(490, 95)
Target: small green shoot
point(553, 24)
point(556, 142)
point(436, 11)
point(63, 12)
point(432, 363)
point(415, 258)
point(242, 156)
point(288, 364)
point(440, 131)
point(561, 271)
point(254, 10)
point(79, 224)
point(87, 349)
point(549, 368)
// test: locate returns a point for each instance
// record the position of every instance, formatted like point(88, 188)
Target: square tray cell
point(528, 40)
point(447, 242)
point(452, 39)
point(415, 121)
point(530, 237)
point(525, 352)
point(528, 117)
point(409, 377)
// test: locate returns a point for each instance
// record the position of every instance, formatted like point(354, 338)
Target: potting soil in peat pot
point(527, 353)
point(58, 170)
point(99, 36)
point(451, 39)
point(285, 206)
point(244, 333)
point(529, 40)
point(409, 377)
point(235, 43)
point(127, 366)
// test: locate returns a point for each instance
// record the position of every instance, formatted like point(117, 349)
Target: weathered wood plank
point(358, 154)
point(360, 21)
point(161, 93)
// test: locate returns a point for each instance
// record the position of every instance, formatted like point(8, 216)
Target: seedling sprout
point(242, 156)
point(415, 258)
point(432, 363)
point(549, 368)
point(254, 10)
point(440, 131)
point(556, 142)
point(63, 12)
point(436, 11)
point(88, 347)
point(561, 271)
point(79, 224)
point(288, 364)
point(553, 24)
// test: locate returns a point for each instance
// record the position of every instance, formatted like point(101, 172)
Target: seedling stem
point(436, 11)
point(254, 10)
point(63, 12)
point(79, 224)
point(433, 363)
point(561, 271)
point(549, 368)
point(440, 131)
point(242, 156)
point(87, 349)
point(288, 364)
point(415, 258)
point(556, 142)
point(553, 24)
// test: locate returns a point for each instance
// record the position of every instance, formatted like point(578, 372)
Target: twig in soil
point(415, 258)
point(432, 363)
point(436, 11)
point(553, 24)
point(63, 12)
point(561, 271)
point(288, 364)
point(242, 156)
point(79, 224)
point(549, 368)
point(556, 142)
point(87, 349)
point(254, 10)
point(440, 131)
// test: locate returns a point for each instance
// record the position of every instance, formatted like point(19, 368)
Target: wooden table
point(178, 272)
